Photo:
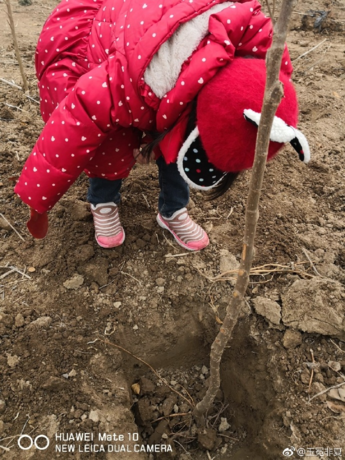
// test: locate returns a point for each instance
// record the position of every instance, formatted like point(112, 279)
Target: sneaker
point(108, 230)
point(186, 232)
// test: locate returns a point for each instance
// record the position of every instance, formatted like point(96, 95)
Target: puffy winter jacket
point(109, 70)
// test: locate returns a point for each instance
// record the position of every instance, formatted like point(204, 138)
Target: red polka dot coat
point(90, 61)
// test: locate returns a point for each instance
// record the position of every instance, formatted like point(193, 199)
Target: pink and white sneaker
point(186, 232)
point(108, 230)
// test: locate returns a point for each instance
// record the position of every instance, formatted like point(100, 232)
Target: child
point(189, 73)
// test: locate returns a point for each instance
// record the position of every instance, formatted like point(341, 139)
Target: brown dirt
point(164, 309)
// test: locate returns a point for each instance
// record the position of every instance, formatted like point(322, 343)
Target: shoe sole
point(111, 247)
point(177, 239)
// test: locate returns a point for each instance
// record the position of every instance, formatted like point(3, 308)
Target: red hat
point(228, 113)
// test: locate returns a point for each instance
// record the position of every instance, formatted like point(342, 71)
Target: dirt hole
point(244, 421)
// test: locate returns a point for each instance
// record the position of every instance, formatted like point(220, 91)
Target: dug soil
point(118, 341)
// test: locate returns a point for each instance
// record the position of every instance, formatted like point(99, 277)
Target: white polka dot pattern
point(90, 61)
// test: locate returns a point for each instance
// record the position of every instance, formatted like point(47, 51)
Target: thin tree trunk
point(272, 97)
point(15, 42)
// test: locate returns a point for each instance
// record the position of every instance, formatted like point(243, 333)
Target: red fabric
point(90, 60)
point(240, 86)
point(173, 141)
point(37, 224)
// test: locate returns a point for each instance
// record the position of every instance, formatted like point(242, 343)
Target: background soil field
point(66, 296)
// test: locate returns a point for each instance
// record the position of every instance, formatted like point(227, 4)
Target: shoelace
point(107, 221)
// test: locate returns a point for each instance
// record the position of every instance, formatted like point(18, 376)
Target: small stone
point(207, 438)
point(224, 425)
point(94, 416)
point(224, 449)
point(135, 327)
point(136, 388)
point(75, 282)
point(12, 361)
point(168, 405)
point(2, 406)
point(303, 43)
point(43, 321)
point(337, 393)
point(55, 384)
point(318, 377)
point(4, 225)
point(204, 370)
point(292, 339)
point(268, 308)
point(31, 269)
point(160, 281)
point(227, 261)
point(334, 365)
point(160, 289)
point(305, 377)
point(73, 373)
point(19, 320)
point(117, 304)
point(176, 408)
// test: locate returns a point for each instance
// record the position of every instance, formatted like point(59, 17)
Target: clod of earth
point(315, 306)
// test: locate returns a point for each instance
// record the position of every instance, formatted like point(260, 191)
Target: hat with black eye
point(227, 116)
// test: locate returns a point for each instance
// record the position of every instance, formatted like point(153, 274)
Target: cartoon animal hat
point(228, 113)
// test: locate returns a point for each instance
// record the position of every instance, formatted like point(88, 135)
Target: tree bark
point(272, 98)
point(16, 47)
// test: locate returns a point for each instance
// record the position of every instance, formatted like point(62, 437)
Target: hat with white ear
point(281, 132)
point(228, 114)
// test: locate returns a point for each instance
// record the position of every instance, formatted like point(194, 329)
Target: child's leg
point(174, 193)
point(104, 191)
point(173, 215)
point(104, 196)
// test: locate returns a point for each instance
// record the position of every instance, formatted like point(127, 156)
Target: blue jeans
point(174, 193)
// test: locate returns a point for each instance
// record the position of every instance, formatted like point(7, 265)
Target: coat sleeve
point(74, 131)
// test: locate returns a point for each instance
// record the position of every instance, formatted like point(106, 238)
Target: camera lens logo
point(288, 452)
point(35, 442)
